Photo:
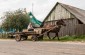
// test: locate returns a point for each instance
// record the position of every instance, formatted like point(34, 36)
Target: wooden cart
point(25, 33)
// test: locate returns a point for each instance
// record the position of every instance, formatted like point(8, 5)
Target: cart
point(25, 34)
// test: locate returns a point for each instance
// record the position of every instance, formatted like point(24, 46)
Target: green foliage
point(15, 20)
point(73, 38)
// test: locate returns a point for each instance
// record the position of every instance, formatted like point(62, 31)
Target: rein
point(49, 30)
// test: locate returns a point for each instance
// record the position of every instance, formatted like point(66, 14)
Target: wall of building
point(73, 27)
point(69, 29)
point(58, 13)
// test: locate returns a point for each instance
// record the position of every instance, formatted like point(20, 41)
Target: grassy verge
point(62, 39)
point(68, 38)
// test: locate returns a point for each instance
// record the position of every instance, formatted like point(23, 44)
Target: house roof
point(78, 13)
point(34, 21)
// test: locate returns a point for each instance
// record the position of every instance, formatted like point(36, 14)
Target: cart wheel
point(18, 37)
point(34, 38)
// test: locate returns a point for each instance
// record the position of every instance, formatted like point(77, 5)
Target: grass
point(62, 39)
point(68, 38)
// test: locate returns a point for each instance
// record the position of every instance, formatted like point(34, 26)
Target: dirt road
point(11, 47)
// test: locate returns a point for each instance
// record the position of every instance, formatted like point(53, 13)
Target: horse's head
point(61, 22)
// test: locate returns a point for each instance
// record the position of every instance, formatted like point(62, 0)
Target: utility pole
point(32, 7)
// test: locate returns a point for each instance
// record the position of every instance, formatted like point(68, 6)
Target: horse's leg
point(54, 37)
point(57, 36)
point(48, 35)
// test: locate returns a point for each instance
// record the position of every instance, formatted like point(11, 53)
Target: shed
point(72, 16)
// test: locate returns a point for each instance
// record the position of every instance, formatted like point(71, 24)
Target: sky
point(40, 7)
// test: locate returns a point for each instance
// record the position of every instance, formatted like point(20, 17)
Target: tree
point(18, 20)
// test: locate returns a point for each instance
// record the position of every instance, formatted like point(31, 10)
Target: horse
point(55, 30)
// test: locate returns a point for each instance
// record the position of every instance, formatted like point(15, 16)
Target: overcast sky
point(41, 7)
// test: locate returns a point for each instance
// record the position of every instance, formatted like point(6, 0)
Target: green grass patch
point(67, 38)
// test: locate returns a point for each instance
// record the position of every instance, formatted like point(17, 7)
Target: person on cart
point(30, 27)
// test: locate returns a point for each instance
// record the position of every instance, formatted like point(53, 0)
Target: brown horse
point(55, 30)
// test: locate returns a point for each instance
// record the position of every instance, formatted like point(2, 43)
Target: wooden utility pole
point(32, 8)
